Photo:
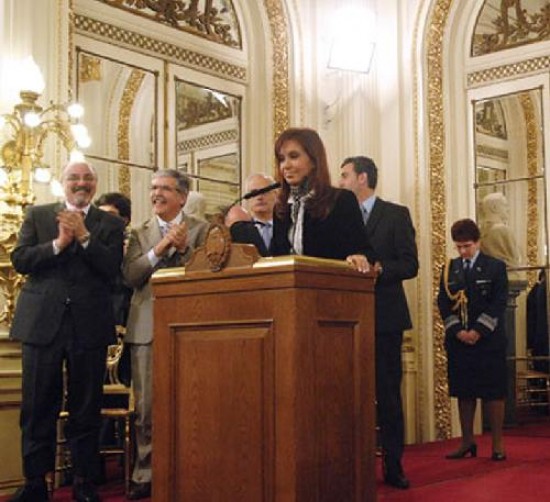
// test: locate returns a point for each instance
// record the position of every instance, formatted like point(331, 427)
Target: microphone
point(259, 191)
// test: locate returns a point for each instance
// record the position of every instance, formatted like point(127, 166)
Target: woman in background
point(312, 217)
point(472, 302)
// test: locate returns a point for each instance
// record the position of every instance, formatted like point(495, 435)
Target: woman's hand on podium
point(359, 262)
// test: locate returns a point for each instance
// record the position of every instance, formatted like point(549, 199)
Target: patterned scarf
point(297, 199)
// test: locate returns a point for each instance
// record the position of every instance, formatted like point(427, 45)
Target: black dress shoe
point(498, 456)
point(85, 492)
point(463, 452)
point(31, 492)
point(397, 480)
point(393, 473)
point(139, 491)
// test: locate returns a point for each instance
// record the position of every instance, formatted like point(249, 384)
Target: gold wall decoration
point(201, 108)
point(123, 134)
point(10, 280)
point(503, 24)
point(212, 19)
point(490, 119)
point(156, 48)
point(438, 204)
point(532, 216)
point(280, 43)
point(89, 69)
point(506, 71)
point(208, 141)
point(492, 152)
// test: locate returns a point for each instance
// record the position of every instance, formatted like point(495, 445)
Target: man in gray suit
point(166, 240)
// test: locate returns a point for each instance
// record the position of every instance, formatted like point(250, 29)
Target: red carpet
point(524, 477)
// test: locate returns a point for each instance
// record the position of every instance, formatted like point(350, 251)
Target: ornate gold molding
point(280, 44)
point(510, 70)
point(142, 43)
point(89, 68)
point(10, 280)
point(123, 134)
point(208, 141)
point(532, 138)
point(436, 128)
point(217, 23)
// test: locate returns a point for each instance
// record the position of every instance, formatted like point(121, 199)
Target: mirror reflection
point(208, 142)
point(119, 100)
point(510, 188)
point(511, 204)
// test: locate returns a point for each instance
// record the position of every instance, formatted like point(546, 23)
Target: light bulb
point(3, 176)
point(84, 142)
point(30, 77)
point(31, 119)
point(56, 188)
point(76, 156)
point(79, 131)
point(75, 110)
point(42, 175)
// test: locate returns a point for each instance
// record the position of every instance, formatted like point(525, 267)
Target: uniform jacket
point(391, 241)
point(337, 236)
point(137, 272)
point(77, 278)
point(487, 293)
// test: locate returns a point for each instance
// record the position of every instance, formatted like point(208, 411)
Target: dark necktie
point(365, 214)
point(467, 269)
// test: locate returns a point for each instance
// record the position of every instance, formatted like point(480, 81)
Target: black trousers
point(43, 396)
point(388, 393)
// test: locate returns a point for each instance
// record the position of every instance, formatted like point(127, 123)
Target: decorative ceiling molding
point(151, 46)
point(534, 65)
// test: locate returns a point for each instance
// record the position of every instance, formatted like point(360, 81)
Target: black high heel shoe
point(463, 452)
point(498, 456)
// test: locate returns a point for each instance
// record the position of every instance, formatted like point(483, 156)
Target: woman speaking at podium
point(313, 218)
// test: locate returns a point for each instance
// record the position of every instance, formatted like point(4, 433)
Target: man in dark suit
point(391, 248)
point(69, 252)
point(261, 208)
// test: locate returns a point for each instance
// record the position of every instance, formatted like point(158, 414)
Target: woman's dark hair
point(118, 200)
point(465, 230)
point(318, 179)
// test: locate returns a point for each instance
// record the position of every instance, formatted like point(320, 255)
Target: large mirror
point(512, 207)
point(509, 159)
point(121, 113)
point(208, 137)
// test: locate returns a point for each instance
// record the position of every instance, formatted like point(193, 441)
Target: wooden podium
point(264, 383)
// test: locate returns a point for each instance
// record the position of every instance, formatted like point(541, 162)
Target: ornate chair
point(532, 386)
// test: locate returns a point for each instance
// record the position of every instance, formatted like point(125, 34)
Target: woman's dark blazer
point(337, 236)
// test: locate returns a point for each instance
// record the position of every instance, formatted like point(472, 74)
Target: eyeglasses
point(164, 188)
point(75, 177)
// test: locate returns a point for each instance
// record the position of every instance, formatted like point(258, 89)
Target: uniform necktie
point(467, 269)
